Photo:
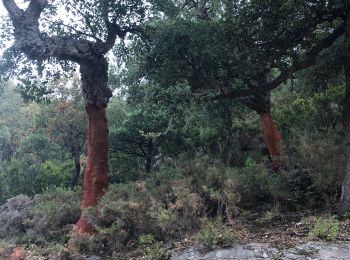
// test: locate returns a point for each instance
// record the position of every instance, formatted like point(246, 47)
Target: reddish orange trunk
point(96, 173)
point(272, 139)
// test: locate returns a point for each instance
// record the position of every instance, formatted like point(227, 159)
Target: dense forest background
point(187, 157)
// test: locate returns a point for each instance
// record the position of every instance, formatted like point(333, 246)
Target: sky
point(2, 9)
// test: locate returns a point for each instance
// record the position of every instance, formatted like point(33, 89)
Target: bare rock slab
point(310, 250)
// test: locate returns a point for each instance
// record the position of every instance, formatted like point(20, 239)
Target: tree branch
point(35, 8)
point(287, 73)
point(14, 11)
point(36, 45)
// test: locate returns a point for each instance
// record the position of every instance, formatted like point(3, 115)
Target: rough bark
point(344, 205)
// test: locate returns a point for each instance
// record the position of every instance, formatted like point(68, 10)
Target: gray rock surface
point(310, 250)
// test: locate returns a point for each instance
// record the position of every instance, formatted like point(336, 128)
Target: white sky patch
point(20, 3)
point(2, 9)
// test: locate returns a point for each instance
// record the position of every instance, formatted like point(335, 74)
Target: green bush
point(325, 228)
point(153, 249)
point(170, 204)
point(258, 186)
point(215, 185)
point(216, 234)
point(54, 173)
point(325, 178)
point(16, 177)
point(121, 215)
point(20, 177)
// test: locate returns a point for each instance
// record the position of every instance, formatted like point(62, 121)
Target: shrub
point(258, 186)
point(52, 215)
point(54, 173)
point(121, 215)
point(326, 177)
point(325, 228)
point(215, 185)
point(16, 177)
point(153, 249)
point(216, 234)
point(12, 215)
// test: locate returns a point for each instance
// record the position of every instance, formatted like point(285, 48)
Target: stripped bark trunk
point(94, 77)
point(272, 139)
point(344, 205)
point(96, 174)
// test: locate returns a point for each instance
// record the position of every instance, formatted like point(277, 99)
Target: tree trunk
point(261, 104)
point(94, 78)
point(96, 174)
point(344, 205)
point(75, 178)
point(149, 156)
point(272, 139)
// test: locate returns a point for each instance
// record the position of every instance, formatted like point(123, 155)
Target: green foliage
point(153, 249)
point(150, 126)
point(20, 177)
point(256, 184)
point(121, 214)
point(325, 228)
point(53, 214)
point(16, 178)
point(54, 173)
point(321, 111)
point(312, 184)
point(216, 234)
point(16, 120)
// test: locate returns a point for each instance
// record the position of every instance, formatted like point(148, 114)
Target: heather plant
point(12, 216)
point(52, 215)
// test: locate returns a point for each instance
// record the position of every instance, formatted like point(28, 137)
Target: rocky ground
point(275, 237)
point(309, 250)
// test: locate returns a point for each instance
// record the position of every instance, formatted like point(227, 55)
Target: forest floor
point(273, 236)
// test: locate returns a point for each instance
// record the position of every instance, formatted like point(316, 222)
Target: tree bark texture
point(94, 77)
point(261, 104)
point(344, 205)
point(272, 139)
point(96, 174)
